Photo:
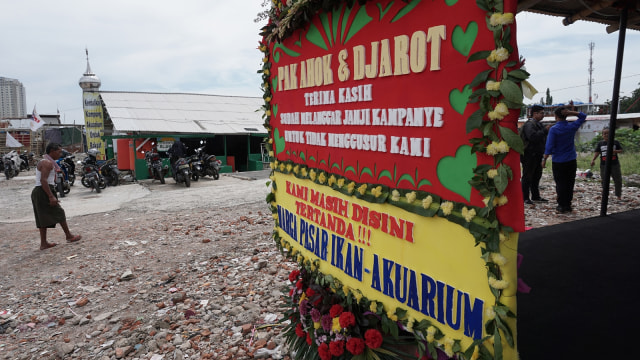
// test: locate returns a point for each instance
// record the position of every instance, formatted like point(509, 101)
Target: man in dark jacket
point(177, 150)
point(534, 134)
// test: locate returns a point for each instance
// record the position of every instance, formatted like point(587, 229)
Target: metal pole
point(614, 109)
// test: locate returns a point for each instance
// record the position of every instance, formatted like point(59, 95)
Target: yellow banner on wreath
point(428, 266)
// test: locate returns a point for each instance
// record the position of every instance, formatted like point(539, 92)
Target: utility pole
point(591, 46)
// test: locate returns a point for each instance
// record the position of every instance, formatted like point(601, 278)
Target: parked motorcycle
point(26, 159)
point(182, 172)
point(12, 163)
point(154, 165)
point(62, 185)
point(109, 170)
point(210, 165)
point(196, 167)
point(68, 167)
point(91, 176)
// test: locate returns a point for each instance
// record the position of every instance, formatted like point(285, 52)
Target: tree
point(549, 100)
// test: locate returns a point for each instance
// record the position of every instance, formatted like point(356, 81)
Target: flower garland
point(328, 320)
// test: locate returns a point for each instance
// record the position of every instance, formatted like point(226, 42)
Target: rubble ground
point(180, 273)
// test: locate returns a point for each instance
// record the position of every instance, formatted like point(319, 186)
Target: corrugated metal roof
point(183, 113)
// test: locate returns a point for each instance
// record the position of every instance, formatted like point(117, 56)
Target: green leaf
point(519, 74)
point(480, 78)
point(475, 121)
point(513, 140)
point(502, 180)
point(480, 55)
point(350, 169)
point(366, 170)
point(511, 91)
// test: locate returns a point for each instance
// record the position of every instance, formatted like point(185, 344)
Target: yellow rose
point(503, 147)
point(377, 191)
point(322, 178)
point(493, 85)
point(498, 259)
point(351, 187)
point(267, 72)
point(268, 112)
point(498, 55)
point(411, 197)
point(317, 325)
point(426, 202)
point(502, 109)
point(468, 214)
point(336, 325)
point(395, 195)
point(289, 167)
point(446, 207)
point(502, 200)
point(296, 169)
point(498, 284)
point(392, 315)
point(312, 174)
point(303, 171)
point(281, 167)
point(341, 182)
point(431, 331)
point(373, 307)
point(448, 346)
point(492, 149)
point(492, 173)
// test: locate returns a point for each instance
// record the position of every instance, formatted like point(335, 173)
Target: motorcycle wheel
point(113, 181)
point(95, 185)
point(60, 189)
point(216, 175)
point(85, 182)
point(102, 183)
point(66, 189)
point(195, 177)
point(161, 176)
point(187, 180)
point(6, 173)
point(72, 179)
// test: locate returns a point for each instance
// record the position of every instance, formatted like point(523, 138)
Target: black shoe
point(541, 200)
point(529, 202)
point(563, 210)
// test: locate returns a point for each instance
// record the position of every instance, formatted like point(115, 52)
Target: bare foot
point(47, 246)
point(74, 238)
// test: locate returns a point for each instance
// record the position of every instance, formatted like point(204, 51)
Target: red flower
point(294, 275)
point(355, 346)
point(347, 320)
point(299, 284)
point(336, 310)
point(310, 292)
point(336, 348)
point(299, 331)
point(323, 351)
point(291, 292)
point(309, 341)
point(373, 338)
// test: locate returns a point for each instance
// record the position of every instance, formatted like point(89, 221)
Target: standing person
point(46, 207)
point(534, 135)
point(561, 146)
point(601, 150)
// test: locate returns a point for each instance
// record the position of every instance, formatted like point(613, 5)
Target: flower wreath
point(328, 320)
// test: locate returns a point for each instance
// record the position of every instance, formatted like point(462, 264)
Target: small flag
point(12, 142)
point(36, 120)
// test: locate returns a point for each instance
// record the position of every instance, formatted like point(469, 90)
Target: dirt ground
point(164, 271)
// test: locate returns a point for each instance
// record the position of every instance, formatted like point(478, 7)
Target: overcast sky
point(209, 47)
